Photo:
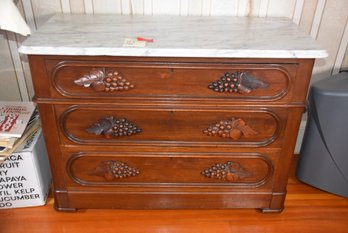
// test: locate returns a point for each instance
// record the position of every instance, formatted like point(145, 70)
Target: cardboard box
point(25, 175)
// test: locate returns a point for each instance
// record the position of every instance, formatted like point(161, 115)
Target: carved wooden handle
point(112, 170)
point(230, 171)
point(114, 127)
point(238, 82)
point(102, 81)
point(234, 129)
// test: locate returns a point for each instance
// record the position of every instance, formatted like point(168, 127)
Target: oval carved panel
point(184, 127)
point(105, 168)
point(254, 82)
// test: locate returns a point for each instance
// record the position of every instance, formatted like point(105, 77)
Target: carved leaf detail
point(234, 129)
point(114, 127)
point(112, 170)
point(237, 82)
point(94, 76)
point(230, 171)
point(109, 81)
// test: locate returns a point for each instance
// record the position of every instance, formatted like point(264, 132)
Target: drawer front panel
point(251, 82)
point(143, 126)
point(112, 169)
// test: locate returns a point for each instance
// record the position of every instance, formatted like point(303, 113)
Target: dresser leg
point(64, 209)
point(61, 201)
point(276, 204)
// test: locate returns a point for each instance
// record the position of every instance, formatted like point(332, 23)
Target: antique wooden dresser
point(170, 112)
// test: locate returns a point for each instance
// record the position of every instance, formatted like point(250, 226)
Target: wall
point(324, 20)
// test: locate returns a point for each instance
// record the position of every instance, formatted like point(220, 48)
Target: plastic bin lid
point(336, 85)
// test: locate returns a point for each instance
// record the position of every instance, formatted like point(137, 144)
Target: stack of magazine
point(18, 121)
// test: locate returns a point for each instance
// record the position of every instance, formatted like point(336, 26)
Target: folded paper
point(11, 19)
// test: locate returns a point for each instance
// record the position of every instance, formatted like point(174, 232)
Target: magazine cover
point(30, 130)
point(14, 117)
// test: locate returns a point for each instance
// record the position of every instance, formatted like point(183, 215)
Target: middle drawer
point(171, 127)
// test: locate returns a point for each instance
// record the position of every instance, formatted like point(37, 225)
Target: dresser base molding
point(154, 200)
point(72, 201)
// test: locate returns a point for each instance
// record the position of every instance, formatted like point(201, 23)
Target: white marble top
point(174, 36)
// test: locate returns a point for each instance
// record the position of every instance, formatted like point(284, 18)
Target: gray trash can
point(324, 153)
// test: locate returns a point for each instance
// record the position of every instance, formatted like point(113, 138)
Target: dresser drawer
point(110, 125)
point(233, 81)
point(243, 170)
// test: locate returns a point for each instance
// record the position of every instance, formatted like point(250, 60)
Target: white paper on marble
point(174, 36)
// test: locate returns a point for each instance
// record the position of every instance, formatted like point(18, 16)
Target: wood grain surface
point(261, 116)
point(306, 210)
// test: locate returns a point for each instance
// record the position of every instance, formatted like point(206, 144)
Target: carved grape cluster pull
point(234, 129)
point(238, 82)
point(114, 127)
point(230, 171)
point(111, 170)
point(109, 82)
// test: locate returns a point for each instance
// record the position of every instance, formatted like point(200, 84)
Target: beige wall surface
point(9, 86)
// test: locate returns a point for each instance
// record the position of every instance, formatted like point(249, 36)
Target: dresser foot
point(271, 211)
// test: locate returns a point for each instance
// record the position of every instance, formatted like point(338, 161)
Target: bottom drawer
point(244, 170)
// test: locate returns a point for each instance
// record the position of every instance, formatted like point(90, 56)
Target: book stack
point(18, 121)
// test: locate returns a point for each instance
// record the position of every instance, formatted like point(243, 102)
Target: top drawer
point(153, 80)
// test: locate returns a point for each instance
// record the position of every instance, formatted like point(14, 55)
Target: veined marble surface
point(174, 36)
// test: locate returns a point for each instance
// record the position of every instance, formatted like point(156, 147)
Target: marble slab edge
point(151, 52)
